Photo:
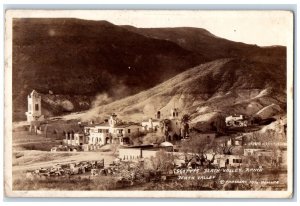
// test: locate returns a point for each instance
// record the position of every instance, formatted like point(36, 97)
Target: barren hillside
point(73, 62)
point(222, 86)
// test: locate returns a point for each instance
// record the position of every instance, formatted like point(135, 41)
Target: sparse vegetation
point(153, 138)
point(40, 146)
point(137, 138)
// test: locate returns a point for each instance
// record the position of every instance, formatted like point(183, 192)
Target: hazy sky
point(263, 28)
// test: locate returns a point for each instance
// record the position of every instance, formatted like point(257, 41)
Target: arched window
point(158, 115)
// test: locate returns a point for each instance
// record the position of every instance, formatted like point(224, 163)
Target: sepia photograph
point(149, 103)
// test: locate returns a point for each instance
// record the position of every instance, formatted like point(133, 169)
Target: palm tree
point(185, 125)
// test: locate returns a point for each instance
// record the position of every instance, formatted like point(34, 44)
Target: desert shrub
point(137, 138)
point(153, 138)
point(46, 146)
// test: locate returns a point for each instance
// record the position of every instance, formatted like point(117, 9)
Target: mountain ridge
point(75, 57)
point(211, 46)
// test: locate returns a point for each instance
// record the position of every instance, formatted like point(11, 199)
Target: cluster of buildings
point(113, 130)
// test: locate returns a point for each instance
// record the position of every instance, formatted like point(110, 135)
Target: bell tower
point(34, 112)
point(113, 120)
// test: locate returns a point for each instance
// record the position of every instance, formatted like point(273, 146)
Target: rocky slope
point(79, 57)
point(225, 86)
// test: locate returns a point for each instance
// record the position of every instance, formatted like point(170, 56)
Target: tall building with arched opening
point(34, 112)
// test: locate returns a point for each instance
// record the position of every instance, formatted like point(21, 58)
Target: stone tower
point(174, 124)
point(34, 112)
point(113, 120)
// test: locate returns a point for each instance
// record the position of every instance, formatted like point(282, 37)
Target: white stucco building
point(228, 161)
point(135, 153)
point(34, 112)
point(75, 139)
point(151, 125)
point(113, 131)
point(236, 121)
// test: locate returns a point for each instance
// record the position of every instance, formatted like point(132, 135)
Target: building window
point(158, 115)
point(99, 130)
point(120, 131)
point(36, 107)
point(237, 161)
point(128, 130)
